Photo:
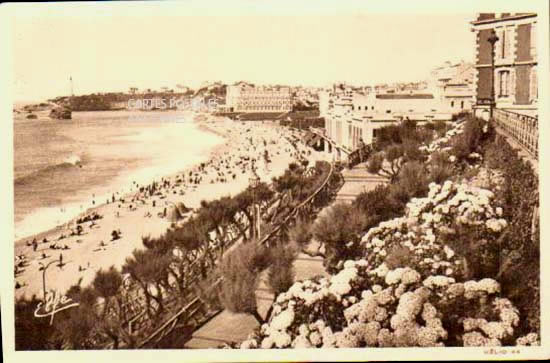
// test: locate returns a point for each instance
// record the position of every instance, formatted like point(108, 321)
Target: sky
point(117, 51)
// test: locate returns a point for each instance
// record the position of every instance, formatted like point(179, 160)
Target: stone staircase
point(356, 181)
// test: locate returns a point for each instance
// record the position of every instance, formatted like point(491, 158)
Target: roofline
point(496, 20)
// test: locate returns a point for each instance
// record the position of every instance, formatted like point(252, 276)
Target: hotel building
point(245, 97)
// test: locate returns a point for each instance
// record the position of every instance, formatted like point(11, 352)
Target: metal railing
point(523, 129)
point(294, 212)
point(359, 155)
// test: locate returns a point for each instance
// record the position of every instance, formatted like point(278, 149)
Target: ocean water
point(63, 167)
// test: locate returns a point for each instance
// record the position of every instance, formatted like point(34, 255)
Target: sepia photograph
point(273, 181)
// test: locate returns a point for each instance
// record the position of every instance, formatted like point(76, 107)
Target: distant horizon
point(102, 53)
point(175, 88)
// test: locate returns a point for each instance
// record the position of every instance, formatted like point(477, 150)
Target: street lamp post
point(44, 268)
point(254, 183)
point(492, 40)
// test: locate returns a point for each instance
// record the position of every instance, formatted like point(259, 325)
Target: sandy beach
point(141, 213)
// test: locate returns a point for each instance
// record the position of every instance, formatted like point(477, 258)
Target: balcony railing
point(523, 129)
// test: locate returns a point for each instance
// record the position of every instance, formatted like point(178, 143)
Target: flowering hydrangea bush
point(446, 208)
point(442, 143)
point(354, 309)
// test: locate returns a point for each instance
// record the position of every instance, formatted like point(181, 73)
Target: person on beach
point(60, 260)
point(34, 245)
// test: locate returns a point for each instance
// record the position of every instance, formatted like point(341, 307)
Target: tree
point(150, 270)
point(112, 317)
point(107, 283)
point(338, 230)
point(219, 214)
point(243, 201)
point(300, 233)
point(76, 326)
point(387, 163)
point(31, 333)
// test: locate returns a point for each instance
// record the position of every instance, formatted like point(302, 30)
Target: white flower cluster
point(440, 144)
point(480, 332)
point(307, 294)
point(529, 339)
point(487, 178)
point(446, 207)
point(399, 309)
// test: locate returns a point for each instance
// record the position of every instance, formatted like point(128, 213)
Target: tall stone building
point(515, 62)
point(245, 97)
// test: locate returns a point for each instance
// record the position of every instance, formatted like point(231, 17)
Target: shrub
point(237, 290)
point(281, 272)
point(339, 230)
point(399, 307)
point(376, 205)
point(520, 246)
point(440, 168)
point(477, 132)
point(412, 182)
point(388, 135)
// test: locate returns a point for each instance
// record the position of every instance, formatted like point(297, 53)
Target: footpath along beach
point(146, 211)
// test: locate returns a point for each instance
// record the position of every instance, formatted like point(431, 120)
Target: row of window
point(365, 108)
point(263, 108)
point(277, 104)
point(265, 94)
point(461, 104)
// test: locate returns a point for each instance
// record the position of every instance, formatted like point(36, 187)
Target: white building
point(354, 116)
point(453, 84)
point(245, 97)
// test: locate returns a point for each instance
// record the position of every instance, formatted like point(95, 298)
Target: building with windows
point(514, 75)
point(453, 84)
point(246, 97)
point(351, 116)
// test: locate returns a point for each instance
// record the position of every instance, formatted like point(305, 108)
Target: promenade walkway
point(356, 181)
point(229, 327)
